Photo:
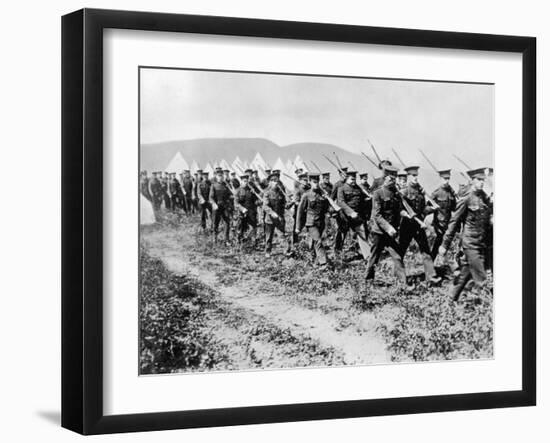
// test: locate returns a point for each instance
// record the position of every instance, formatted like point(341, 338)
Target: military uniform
point(445, 197)
point(165, 194)
point(311, 214)
point(247, 203)
point(274, 203)
point(341, 220)
point(220, 198)
point(203, 196)
point(155, 189)
point(176, 194)
point(386, 216)
point(411, 229)
point(299, 190)
point(187, 188)
point(353, 202)
point(474, 212)
point(144, 187)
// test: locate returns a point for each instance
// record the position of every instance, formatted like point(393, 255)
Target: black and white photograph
point(295, 221)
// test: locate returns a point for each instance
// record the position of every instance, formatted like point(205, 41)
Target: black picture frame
point(82, 219)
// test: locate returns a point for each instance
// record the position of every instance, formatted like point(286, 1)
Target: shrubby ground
point(207, 306)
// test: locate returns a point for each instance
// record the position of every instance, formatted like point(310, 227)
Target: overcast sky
point(440, 118)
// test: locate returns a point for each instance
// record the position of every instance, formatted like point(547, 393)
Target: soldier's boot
point(370, 274)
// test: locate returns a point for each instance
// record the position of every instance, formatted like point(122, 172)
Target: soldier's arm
point(302, 209)
point(211, 196)
point(455, 222)
point(378, 217)
point(267, 209)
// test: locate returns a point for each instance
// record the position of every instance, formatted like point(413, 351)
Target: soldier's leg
point(476, 262)
point(203, 216)
point(424, 248)
point(341, 231)
point(406, 233)
point(439, 232)
point(216, 218)
point(227, 220)
point(320, 253)
point(394, 249)
point(376, 248)
point(269, 230)
point(361, 236)
point(463, 278)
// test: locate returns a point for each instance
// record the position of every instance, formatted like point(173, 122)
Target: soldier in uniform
point(274, 202)
point(220, 198)
point(265, 182)
point(379, 181)
point(364, 182)
point(300, 188)
point(176, 193)
point(203, 196)
point(234, 181)
point(246, 203)
point(446, 198)
point(413, 226)
point(155, 189)
point(312, 210)
point(165, 191)
point(401, 179)
point(353, 202)
point(474, 212)
point(144, 185)
point(325, 184)
point(340, 217)
point(187, 190)
point(384, 225)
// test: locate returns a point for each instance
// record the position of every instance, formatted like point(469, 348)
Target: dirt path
point(358, 343)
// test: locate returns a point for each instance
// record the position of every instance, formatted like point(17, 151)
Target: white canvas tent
point(258, 162)
point(177, 164)
point(299, 163)
point(146, 214)
point(194, 167)
point(208, 168)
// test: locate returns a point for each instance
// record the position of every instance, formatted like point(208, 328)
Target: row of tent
point(179, 164)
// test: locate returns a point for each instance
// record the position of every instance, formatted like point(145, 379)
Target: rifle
point(337, 159)
point(410, 210)
point(370, 160)
point(361, 187)
point(463, 162)
point(429, 162)
point(374, 150)
point(399, 158)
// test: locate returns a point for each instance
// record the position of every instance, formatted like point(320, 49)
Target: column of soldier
point(384, 215)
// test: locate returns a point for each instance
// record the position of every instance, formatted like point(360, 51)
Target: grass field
point(206, 306)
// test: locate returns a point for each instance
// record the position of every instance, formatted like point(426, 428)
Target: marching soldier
point(176, 193)
point(203, 196)
point(353, 202)
point(474, 212)
point(187, 190)
point(155, 189)
point(165, 188)
point(401, 179)
point(144, 185)
point(220, 198)
point(274, 202)
point(325, 184)
point(311, 214)
point(265, 182)
point(234, 181)
point(379, 181)
point(412, 224)
point(300, 187)
point(446, 198)
point(364, 182)
point(340, 217)
point(384, 225)
point(247, 203)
